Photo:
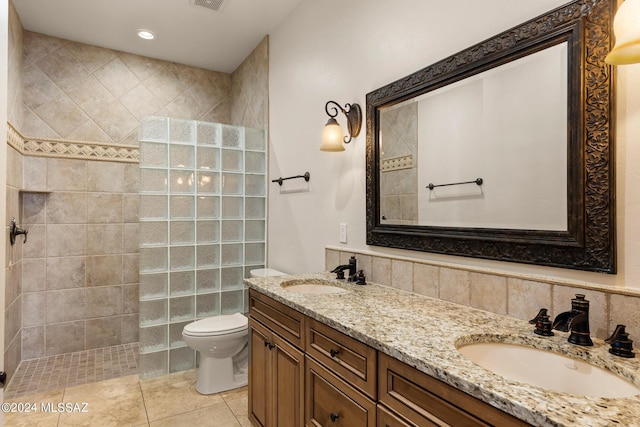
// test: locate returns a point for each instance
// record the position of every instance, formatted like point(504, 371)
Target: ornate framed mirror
point(504, 150)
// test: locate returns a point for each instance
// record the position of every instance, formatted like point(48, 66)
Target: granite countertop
point(425, 333)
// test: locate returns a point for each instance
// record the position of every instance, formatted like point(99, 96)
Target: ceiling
point(186, 33)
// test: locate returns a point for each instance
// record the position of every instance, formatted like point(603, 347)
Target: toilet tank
point(266, 272)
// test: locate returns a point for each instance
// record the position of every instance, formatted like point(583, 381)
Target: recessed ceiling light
point(146, 34)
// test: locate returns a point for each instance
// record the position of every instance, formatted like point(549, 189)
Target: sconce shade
point(332, 136)
point(626, 27)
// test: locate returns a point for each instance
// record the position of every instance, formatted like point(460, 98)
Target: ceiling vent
point(210, 4)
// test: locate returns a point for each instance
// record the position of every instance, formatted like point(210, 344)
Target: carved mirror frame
point(589, 241)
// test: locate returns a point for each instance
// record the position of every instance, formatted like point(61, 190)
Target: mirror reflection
point(505, 127)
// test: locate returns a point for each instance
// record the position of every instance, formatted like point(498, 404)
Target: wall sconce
point(332, 137)
point(626, 27)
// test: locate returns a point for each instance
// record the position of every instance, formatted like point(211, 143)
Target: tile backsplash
point(517, 296)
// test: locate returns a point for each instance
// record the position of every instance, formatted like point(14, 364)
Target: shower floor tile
point(83, 367)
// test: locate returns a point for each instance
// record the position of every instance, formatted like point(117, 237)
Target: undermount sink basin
point(548, 370)
point(312, 287)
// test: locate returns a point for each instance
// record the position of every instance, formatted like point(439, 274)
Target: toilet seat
point(217, 325)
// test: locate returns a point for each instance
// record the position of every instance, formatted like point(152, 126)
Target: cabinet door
point(288, 376)
point(331, 402)
point(259, 374)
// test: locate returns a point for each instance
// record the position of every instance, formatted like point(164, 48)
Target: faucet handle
point(621, 345)
point(543, 324)
point(542, 312)
point(360, 279)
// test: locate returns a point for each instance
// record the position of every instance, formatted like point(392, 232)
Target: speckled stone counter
point(425, 333)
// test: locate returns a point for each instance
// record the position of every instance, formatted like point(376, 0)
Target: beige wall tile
point(65, 272)
point(65, 337)
point(33, 275)
point(65, 239)
point(66, 175)
point(104, 239)
point(62, 115)
point(33, 306)
point(130, 268)
point(104, 208)
point(130, 238)
point(104, 270)
point(35, 173)
point(426, 280)
point(91, 57)
point(402, 275)
point(105, 177)
point(455, 286)
point(15, 168)
point(37, 46)
point(103, 332)
point(37, 244)
point(625, 310)
point(131, 178)
point(130, 208)
point(117, 77)
point(381, 271)
point(13, 283)
point(489, 292)
point(103, 301)
point(331, 259)
point(38, 88)
point(130, 328)
point(32, 342)
point(12, 319)
point(66, 208)
point(12, 358)
point(34, 208)
point(65, 305)
point(130, 298)
point(526, 298)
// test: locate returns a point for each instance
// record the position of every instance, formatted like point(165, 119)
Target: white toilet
point(222, 342)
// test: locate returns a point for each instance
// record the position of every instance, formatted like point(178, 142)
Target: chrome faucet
point(576, 321)
point(339, 270)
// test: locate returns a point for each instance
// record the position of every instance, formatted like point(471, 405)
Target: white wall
point(337, 50)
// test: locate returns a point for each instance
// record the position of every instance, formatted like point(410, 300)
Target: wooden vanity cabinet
point(353, 361)
point(426, 401)
point(330, 401)
point(305, 373)
point(276, 371)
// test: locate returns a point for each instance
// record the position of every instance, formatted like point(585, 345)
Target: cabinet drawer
point(425, 400)
point(332, 402)
point(386, 418)
point(352, 360)
point(283, 320)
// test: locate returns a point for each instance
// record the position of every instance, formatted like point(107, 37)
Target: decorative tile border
point(81, 150)
point(396, 163)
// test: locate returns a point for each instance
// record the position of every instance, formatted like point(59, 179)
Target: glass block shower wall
point(202, 229)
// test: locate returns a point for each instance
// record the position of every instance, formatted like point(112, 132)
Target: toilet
point(222, 343)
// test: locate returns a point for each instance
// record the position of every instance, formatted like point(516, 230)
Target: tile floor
point(82, 367)
point(170, 400)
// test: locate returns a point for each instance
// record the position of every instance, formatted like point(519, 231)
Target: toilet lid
point(217, 325)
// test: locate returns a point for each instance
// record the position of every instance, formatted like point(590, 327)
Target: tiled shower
point(202, 229)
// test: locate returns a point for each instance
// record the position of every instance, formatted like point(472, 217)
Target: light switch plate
point(343, 232)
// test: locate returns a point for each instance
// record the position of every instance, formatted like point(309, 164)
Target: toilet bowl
point(221, 342)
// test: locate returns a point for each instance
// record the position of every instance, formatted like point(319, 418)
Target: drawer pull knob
point(333, 352)
point(334, 417)
point(268, 344)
